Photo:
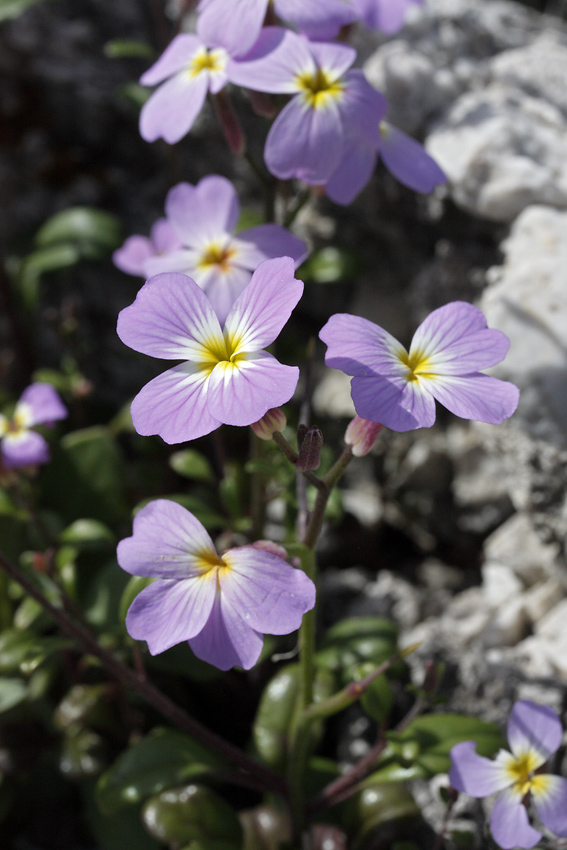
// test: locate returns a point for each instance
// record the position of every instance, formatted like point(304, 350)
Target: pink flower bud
point(273, 420)
point(361, 435)
point(271, 547)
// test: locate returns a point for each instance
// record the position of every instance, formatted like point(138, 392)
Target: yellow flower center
point(207, 560)
point(206, 60)
point(18, 424)
point(318, 89)
point(521, 773)
point(217, 255)
point(417, 364)
point(222, 350)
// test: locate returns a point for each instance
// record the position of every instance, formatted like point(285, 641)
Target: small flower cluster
point(332, 130)
point(215, 301)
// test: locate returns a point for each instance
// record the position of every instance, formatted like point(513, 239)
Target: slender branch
point(247, 771)
point(345, 785)
point(352, 692)
point(295, 208)
point(328, 482)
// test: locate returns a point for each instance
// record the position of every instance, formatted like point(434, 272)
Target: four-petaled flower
point(227, 377)
point(398, 387)
point(220, 604)
point(330, 104)
point(187, 70)
point(534, 733)
point(236, 24)
point(203, 218)
point(39, 404)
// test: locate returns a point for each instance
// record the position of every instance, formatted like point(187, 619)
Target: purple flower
point(131, 257)
point(187, 70)
point(39, 404)
point(227, 377)
point(220, 604)
point(534, 733)
point(385, 15)
point(203, 218)
point(329, 103)
point(405, 158)
point(236, 24)
point(399, 388)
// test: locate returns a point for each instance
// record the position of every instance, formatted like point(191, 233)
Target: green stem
point(328, 481)
point(300, 731)
point(257, 489)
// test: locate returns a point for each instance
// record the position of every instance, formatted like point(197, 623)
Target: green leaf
point(100, 598)
point(355, 640)
point(88, 533)
point(159, 761)
point(86, 477)
point(84, 705)
point(249, 217)
point(276, 711)
point(121, 830)
point(330, 265)
point(375, 806)
point(135, 93)
point(14, 8)
point(81, 225)
point(125, 49)
point(192, 813)
point(83, 754)
point(191, 464)
point(12, 693)
point(9, 508)
point(40, 650)
point(14, 646)
point(378, 698)
point(48, 259)
point(422, 750)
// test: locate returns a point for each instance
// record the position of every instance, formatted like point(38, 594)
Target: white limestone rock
point(517, 545)
point(502, 150)
point(499, 584)
point(527, 300)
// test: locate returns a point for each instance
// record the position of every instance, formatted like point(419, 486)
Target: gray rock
point(484, 84)
point(444, 52)
point(527, 300)
point(517, 546)
point(502, 150)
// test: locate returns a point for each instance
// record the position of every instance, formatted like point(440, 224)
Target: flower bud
point(229, 122)
point(271, 547)
point(273, 420)
point(361, 435)
point(310, 450)
point(262, 104)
